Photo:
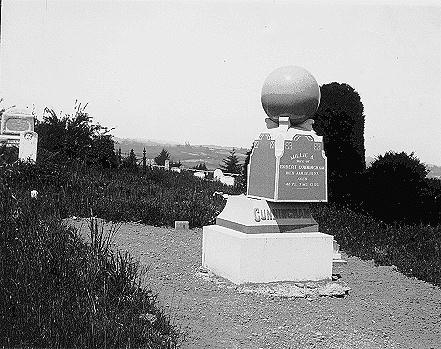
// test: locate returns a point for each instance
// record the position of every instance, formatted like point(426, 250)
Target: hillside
point(212, 155)
point(435, 171)
point(188, 155)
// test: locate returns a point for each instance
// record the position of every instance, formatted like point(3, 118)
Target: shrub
point(398, 190)
point(8, 154)
point(63, 139)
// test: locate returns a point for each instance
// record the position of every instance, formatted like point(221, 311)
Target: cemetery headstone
point(227, 180)
point(269, 234)
point(200, 175)
point(218, 174)
point(167, 165)
point(15, 120)
point(27, 150)
point(17, 128)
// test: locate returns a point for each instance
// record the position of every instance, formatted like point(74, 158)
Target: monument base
point(260, 258)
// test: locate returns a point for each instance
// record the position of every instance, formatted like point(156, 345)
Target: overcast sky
point(193, 71)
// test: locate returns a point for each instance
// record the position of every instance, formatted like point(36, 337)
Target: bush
point(398, 190)
point(62, 139)
point(8, 154)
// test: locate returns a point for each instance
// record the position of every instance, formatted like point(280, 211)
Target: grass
point(60, 291)
point(414, 249)
point(57, 291)
point(157, 197)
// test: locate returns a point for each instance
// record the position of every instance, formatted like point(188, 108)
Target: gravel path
point(384, 309)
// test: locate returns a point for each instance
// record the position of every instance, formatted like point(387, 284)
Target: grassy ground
point(59, 291)
point(414, 249)
point(157, 197)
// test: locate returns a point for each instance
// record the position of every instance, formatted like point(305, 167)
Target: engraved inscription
point(302, 171)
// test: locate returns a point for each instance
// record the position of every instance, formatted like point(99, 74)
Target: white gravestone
point(17, 128)
point(218, 174)
point(227, 180)
point(27, 150)
point(200, 175)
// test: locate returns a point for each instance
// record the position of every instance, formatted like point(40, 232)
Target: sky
point(192, 71)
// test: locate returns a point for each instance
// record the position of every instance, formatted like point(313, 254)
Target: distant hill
point(435, 171)
point(211, 155)
point(188, 155)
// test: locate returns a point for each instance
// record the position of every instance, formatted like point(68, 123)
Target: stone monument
point(269, 234)
point(17, 128)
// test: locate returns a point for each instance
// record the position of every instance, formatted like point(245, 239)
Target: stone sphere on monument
point(292, 92)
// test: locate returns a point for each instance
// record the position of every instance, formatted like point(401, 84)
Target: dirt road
point(384, 309)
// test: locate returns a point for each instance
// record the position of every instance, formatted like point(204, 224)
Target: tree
point(340, 120)
point(102, 152)
point(130, 161)
point(396, 183)
point(162, 156)
point(231, 163)
point(74, 137)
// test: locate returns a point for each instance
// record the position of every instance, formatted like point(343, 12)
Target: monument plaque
point(302, 171)
point(296, 172)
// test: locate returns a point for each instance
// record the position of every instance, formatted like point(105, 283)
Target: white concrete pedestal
point(268, 257)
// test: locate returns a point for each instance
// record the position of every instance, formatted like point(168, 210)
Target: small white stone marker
point(181, 225)
point(218, 174)
point(27, 150)
point(227, 180)
point(200, 175)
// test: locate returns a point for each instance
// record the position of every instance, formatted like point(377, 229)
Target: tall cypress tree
point(340, 120)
